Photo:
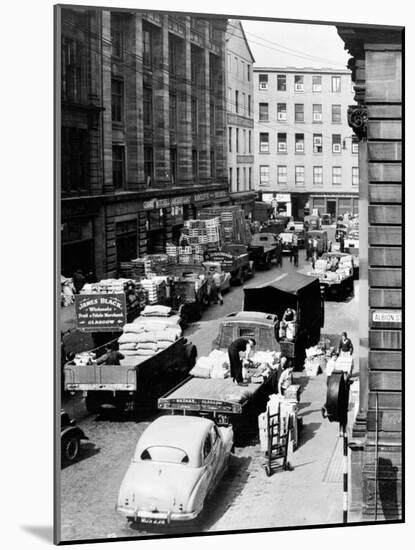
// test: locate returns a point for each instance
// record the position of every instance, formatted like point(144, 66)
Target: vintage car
point(177, 463)
point(71, 437)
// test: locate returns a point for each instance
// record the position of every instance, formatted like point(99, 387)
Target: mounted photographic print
point(229, 252)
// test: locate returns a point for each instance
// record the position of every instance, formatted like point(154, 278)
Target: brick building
point(376, 119)
point(143, 131)
point(240, 116)
point(305, 156)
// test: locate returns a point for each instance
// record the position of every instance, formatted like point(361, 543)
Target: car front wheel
point(70, 448)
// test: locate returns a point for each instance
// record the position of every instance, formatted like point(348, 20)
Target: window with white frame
point(263, 81)
point(298, 83)
point(250, 178)
point(336, 114)
point(281, 142)
point(248, 72)
point(238, 183)
point(237, 140)
point(281, 174)
point(335, 83)
point(317, 112)
point(281, 111)
point(317, 175)
point(355, 145)
point(299, 143)
point(249, 105)
point(317, 143)
point(299, 112)
point(244, 141)
point(336, 140)
point(282, 83)
point(263, 175)
point(230, 100)
point(230, 139)
point(355, 175)
point(299, 175)
point(336, 175)
point(317, 86)
point(244, 103)
point(230, 179)
point(263, 112)
point(249, 141)
point(264, 142)
point(236, 101)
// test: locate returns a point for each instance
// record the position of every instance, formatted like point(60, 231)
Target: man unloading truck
point(239, 345)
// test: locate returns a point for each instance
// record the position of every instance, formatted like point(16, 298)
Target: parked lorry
point(273, 226)
point(132, 387)
point(189, 291)
point(300, 293)
point(262, 211)
point(263, 249)
point(216, 267)
point(234, 258)
point(335, 273)
point(222, 399)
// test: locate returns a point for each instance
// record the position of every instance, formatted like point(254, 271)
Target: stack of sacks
point(215, 365)
point(156, 311)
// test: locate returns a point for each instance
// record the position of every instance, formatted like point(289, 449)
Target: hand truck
point(278, 442)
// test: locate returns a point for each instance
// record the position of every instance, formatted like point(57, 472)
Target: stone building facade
point(143, 131)
point(305, 156)
point(240, 116)
point(376, 443)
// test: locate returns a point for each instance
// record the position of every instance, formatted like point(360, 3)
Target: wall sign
point(387, 316)
point(283, 197)
point(100, 312)
point(154, 203)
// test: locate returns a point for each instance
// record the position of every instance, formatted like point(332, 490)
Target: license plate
point(153, 521)
point(222, 419)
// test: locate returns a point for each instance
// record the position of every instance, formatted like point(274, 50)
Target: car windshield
point(165, 454)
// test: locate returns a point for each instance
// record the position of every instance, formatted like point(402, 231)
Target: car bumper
point(165, 517)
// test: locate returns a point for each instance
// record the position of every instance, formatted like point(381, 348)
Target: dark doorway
point(126, 241)
point(331, 208)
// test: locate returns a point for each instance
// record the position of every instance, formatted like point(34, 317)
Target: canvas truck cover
point(293, 290)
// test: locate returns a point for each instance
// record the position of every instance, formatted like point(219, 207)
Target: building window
point(337, 175)
point(118, 166)
point(242, 69)
point(173, 165)
point(263, 82)
point(230, 100)
point(230, 179)
point(194, 116)
point(236, 65)
point(117, 100)
point(336, 143)
point(236, 101)
point(212, 164)
point(317, 175)
point(317, 112)
point(75, 159)
point(147, 107)
point(281, 142)
point(336, 113)
point(117, 36)
point(194, 164)
point(298, 83)
point(244, 179)
point(249, 141)
point(147, 48)
point(230, 139)
point(248, 72)
point(244, 141)
point(317, 143)
point(71, 70)
point(173, 111)
point(249, 105)
point(281, 174)
point(148, 165)
point(212, 117)
point(299, 143)
point(194, 66)
point(264, 142)
point(263, 175)
point(335, 84)
point(250, 178)
point(237, 140)
point(355, 175)
point(281, 82)
point(299, 175)
point(238, 183)
point(174, 55)
point(281, 111)
point(229, 63)
point(263, 112)
point(317, 87)
point(355, 144)
point(244, 103)
point(299, 112)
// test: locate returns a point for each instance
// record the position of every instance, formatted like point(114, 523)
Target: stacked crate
point(172, 251)
point(150, 288)
point(157, 264)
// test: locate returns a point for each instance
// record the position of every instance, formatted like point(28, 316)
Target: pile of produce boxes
point(233, 227)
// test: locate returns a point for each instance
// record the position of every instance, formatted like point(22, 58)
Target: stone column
point(106, 100)
point(184, 125)
point(203, 86)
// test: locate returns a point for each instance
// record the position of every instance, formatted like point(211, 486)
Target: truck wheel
point(92, 405)
point(191, 355)
point(70, 448)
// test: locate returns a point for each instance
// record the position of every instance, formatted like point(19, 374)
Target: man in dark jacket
point(111, 357)
point(240, 344)
point(345, 345)
point(78, 279)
